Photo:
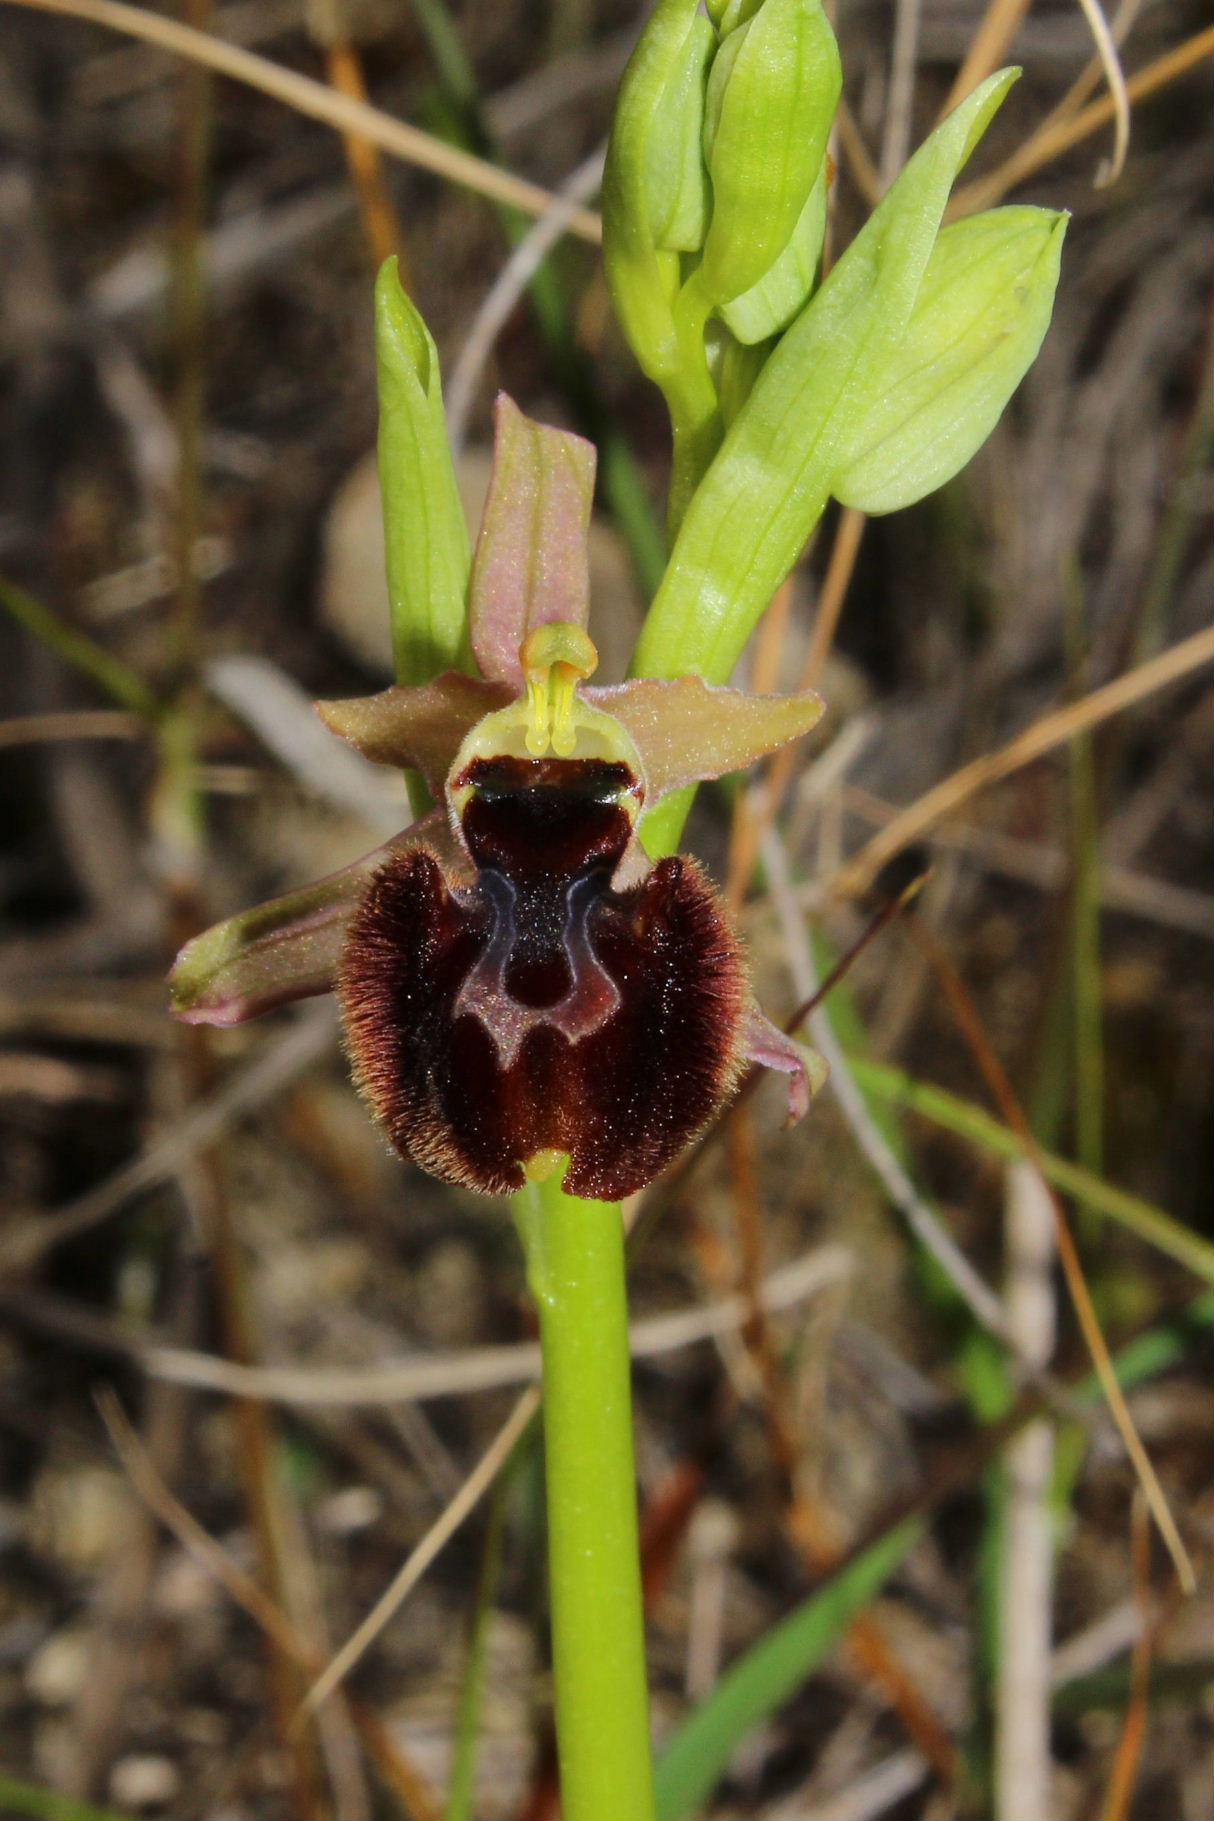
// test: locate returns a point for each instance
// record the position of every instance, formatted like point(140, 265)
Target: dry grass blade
point(72, 724)
point(321, 102)
point(873, 1794)
point(1120, 1792)
point(1057, 136)
point(381, 228)
point(28, 1241)
point(1050, 731)
point(435, 1539)
point(1045, 866)
point(1022, 1729)
point(234, 1579)
point(757, 809)
point(1110, 62)
point(508, 287)
point(987, 48)
point(482, 1368)
point(900, 105)
point(975, 1292)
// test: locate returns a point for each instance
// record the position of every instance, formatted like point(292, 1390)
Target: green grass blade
point(1187, 1682)
point(1087, 991)
point(1158, 1349)
point(769, 1673)
point(1138, 1216)
point(111, 676)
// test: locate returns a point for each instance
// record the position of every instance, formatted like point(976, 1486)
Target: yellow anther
point(563, 681)
point(536, 737)
point(555, 659)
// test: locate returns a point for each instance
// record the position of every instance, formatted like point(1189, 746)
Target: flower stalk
point(576, 1271)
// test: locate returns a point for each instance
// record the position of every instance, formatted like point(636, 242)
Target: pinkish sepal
point(687, 730)
point(531, 565)
point(769, 1046)
point(287, 948)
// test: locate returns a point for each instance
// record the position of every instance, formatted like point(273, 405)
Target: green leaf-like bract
point(982, 312)
point(426, 544)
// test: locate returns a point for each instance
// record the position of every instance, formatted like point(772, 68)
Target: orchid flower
point(523, 990)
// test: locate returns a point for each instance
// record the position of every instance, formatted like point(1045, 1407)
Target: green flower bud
point(784, 288)
point(728, 15)
point(675, 178)
point(772, 92)
point(982, 310)
point(752, 511)
point(426, 545)
point(654, 187)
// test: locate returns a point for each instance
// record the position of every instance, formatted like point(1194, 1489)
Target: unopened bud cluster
point(714, 208)
point(716, 187)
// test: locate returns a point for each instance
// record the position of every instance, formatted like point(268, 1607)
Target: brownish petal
point(687, 730)
point(417, 729)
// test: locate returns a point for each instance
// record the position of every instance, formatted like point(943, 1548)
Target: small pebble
point(56, 1672)
point(352, 1509)
point(79, 1513)
point(144, 1781)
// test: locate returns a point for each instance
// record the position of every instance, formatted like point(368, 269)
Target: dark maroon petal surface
point(619, 1053)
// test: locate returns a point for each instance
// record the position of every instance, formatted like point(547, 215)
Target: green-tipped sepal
point(770, 304)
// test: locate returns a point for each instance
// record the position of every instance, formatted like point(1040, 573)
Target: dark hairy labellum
point(537, 1010)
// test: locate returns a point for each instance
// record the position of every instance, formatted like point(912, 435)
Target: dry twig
point(483, 1368)
point(1052, 730)
point(321, 102)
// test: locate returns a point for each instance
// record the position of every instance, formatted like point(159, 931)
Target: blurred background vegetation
point(190, 548)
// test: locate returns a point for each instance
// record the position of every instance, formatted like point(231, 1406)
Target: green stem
point(575, 1265)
